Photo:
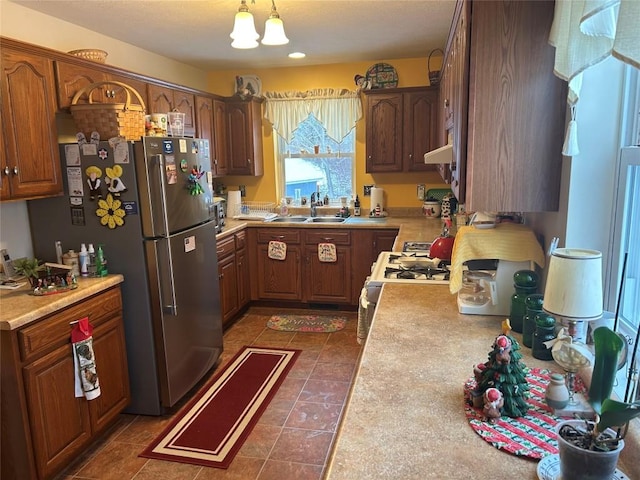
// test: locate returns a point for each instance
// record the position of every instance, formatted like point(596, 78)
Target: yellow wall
point(30, 26)
point(400, 188)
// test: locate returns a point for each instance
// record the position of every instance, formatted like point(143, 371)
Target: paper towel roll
point(233, 203)
point(377, 198)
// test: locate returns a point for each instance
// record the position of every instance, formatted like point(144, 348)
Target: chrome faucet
point(314, 210)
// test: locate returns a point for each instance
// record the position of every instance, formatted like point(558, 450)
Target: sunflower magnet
point(111, 212)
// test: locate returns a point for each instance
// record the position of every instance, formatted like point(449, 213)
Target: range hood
point(439, 155)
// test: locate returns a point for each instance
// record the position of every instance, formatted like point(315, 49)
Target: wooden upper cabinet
point(186, 103)
point(30, 159)
point(506, 114)
point(384, 132)
point(401, 126)
point(211, 124)
point(220, 151)
point(5, 193)
point(72, 77)
point(204, 118)
point(245, 137)
point(164, 99)
point(160, 99)
point(420, 128)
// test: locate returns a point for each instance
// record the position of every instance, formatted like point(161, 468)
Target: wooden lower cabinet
point(275, 279)
point(367, 245)
point(327, 282)
point(242, 265)
point(45, 426)
point(301, 276)
point(233, 274)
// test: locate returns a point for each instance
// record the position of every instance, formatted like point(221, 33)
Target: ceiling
point(196, 32)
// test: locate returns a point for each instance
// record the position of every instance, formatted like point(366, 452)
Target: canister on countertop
point(525, 283)
point(533, 306)
point(71, 259)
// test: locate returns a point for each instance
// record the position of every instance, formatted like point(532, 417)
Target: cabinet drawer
point(49, 333)
point(225, 247)
point(281, 235)
point(339, 237)
point(241, 240)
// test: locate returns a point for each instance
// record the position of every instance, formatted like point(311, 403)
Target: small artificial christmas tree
point(508, 374)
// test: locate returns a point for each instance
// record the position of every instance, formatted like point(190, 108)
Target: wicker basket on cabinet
point(109, 119)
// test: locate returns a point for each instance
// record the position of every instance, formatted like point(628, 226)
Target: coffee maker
point(487, 286)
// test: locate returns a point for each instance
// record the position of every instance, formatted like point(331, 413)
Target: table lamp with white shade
point(573, 294)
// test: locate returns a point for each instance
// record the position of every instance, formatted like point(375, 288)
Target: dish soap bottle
point(101, 262)
point(284, 210)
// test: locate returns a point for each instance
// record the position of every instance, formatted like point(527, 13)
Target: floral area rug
point(307, 323)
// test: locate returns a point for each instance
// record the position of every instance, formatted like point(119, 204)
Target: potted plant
point(30, 268)
point(589, 450)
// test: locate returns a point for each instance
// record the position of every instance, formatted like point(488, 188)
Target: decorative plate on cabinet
point(248, 85)
point(382, 75)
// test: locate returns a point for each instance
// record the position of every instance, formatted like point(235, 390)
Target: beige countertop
point(18, 307)
point(405, 418)
point(412, 228)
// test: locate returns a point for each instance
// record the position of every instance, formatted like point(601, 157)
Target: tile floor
point(293, 437)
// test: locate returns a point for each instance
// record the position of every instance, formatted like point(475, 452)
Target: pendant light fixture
point(274, 29)
point(244, 32)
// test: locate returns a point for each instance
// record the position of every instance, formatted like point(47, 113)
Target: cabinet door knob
point(446, 103)
point(6, 170)
point(410, 156)
point(15, 170)
point(249, 161)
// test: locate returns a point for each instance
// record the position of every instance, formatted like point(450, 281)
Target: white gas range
point(410, 266)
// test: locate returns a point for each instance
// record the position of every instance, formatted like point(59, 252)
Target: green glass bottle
point(525, 283)
point(533, 306)
point(545, 331)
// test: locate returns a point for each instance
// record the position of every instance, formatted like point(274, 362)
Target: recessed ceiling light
point(297, 55)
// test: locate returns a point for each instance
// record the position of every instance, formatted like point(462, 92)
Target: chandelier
point(244, 32)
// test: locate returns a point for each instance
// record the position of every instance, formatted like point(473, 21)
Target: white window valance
point(337, 109)
point(586, 32)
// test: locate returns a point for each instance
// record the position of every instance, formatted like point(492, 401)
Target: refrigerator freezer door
point(175, 184)
point(187, 318)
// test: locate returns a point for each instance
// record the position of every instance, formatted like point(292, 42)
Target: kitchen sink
point(326, 220)
point(366, 220)
point(288, 220)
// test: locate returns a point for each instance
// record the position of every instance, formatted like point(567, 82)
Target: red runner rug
point(212, 427)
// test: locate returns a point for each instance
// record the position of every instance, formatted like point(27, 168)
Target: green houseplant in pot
point(589, 450)
point(30, 268)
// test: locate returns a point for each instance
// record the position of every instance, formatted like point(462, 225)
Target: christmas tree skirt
point(531, 436)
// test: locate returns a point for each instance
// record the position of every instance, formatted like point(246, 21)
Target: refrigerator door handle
point(172, 308)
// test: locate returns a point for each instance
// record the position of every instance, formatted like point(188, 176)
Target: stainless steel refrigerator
point(150, 204)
